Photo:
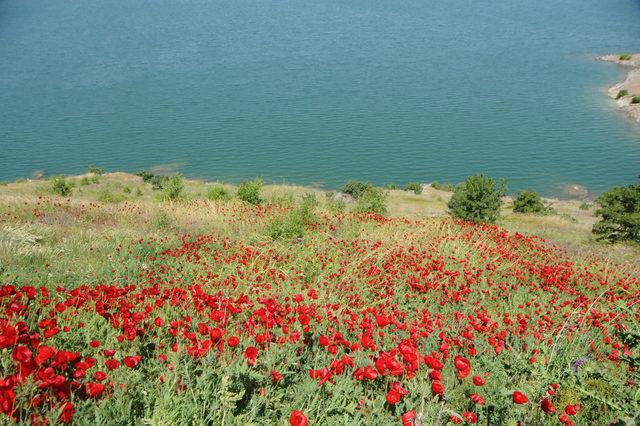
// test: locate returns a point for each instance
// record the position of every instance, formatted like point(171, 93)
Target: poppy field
point(362, 320)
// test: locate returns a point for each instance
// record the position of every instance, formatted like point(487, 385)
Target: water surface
point(318, 92)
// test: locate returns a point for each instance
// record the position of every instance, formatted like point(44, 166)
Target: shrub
point(356, 188)
point(622, 93)
point(449, 187)
point(392, 186)
point(109, 197)
point(145, 175)
point(249, 191)
point(126, 190)
point(158, 182)
point(635, 100)
point(585, 206)
point(620, 212)
point(477, 199)
point(528, 202)
point(217, 192)
point(173, 187)
point(414, 186)
point(372, 200)
point(294, 224)
point(625, 57)
point(61, 186)
point(85, 181)
point(95, 170)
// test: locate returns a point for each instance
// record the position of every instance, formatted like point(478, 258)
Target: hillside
point(121, 308)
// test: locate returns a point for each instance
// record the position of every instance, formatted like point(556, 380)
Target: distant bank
point(627, 92)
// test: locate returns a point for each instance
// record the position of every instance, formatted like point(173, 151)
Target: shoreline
point(631, 84)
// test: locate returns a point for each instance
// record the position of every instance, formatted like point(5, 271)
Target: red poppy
point(519, 398)
point(297, 418)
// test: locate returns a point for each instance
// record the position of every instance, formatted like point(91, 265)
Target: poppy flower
point(547, 406)
point(519, 398)
point(297, 418)
point(132, 361)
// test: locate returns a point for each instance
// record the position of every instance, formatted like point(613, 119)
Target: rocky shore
point(625, 91)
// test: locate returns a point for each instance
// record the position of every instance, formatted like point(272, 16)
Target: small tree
point(415, 187)
point(173, 187)
point(249, 191)
point(620, 211)
point(217, 192)
point(356, 188)
point(528, 202)
point(372, 200)
point(477, 199)
point(61, 187)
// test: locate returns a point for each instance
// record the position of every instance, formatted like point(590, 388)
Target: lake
point(320, 92)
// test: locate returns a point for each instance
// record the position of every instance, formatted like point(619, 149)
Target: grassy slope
point(80, 231)
point(51, 241)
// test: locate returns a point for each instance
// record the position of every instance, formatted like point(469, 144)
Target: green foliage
point(217, 193)
point(392, 186)
point(95, 170)
point(625, 57)
point(372, 200)
point(158, 182)
point(126, 190)
point(622, 93)
point(145, 175)
point(443, 186)
point(162, 221)
point(356, 188)
point(172, 188)
point(295, 222)
point(109, 197)
point(635, 100)
point(88, 180)
point(585, 206)
point(414, 186)
point(61, 186)
point(620, 212)
point(477, 199)
point(528, 202)
point(249, 191)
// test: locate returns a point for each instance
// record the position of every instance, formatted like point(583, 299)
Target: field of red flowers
point(383, 321)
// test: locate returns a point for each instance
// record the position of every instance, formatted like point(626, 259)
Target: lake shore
point(631, 84)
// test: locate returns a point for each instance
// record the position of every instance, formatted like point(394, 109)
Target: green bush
point(294, 224)
point(158, 182)
point(249, 191)
point(392, 186)
point(145, 175)
point(372, 200)
point(635, 100)
point(61, 186)
point(625, 57)
point(109, 197)
point(217, 192)
point(95, 170)
point(172, 188)
point(622, 93)
point(585, 206)
point(449, 187)
point(620, 212)
point(414, 186)
point(477, 199)
point(356, 188)
point(528, 202)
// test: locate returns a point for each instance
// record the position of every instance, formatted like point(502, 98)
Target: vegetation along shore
point(627, 92)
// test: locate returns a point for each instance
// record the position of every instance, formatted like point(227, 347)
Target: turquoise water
point(318, 92)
